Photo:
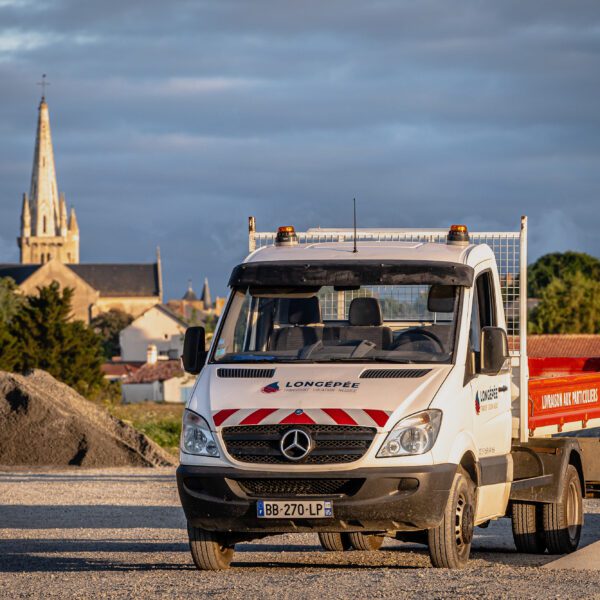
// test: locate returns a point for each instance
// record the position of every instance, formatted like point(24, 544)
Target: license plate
point(294, 509)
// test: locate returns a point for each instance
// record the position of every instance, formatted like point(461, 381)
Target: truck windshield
point(385, 323)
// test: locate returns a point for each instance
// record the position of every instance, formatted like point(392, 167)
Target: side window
point(475, 333)
point(483, 313)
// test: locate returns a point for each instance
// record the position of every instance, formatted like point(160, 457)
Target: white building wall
point(175, 390)
point(153, 327)
point(141, 392)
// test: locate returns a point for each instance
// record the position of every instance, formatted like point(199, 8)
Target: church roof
point(18, 272)
point(120, 279)
point(111, 280)
point(190, 295)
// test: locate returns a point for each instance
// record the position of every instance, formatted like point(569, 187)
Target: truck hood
point(373, 396)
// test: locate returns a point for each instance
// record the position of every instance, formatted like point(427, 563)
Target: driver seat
point(365, 323)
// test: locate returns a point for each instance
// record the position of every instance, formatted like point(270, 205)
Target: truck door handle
point(503, 388)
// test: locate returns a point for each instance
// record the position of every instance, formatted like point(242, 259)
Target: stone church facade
point(49, 248)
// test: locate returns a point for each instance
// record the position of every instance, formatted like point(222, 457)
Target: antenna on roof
point(355, 248)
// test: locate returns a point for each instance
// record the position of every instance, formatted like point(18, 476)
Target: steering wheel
point(429, 335)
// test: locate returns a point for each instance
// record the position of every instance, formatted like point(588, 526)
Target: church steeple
point(206, 295)
point(25, 218)
point(45, 231)
point(43, 194)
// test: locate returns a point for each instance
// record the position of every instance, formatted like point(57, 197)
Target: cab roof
point(369, 251)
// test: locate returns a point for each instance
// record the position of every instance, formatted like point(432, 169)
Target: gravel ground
point(119, 533)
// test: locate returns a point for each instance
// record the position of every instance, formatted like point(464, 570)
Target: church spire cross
point(43, 83)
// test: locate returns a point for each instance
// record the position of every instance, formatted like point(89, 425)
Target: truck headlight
point(412, 435)
point(196, 436)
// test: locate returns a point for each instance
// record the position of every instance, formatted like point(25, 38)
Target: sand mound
point(44, 422)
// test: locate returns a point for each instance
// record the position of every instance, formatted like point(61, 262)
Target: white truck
point(363, 384)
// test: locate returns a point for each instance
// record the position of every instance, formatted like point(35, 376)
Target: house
point(157, 381)
point(159, 327)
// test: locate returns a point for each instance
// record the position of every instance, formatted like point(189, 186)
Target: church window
point(45, 225)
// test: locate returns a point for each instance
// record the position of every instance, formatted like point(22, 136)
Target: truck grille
point(300, 487)
point(333, 444)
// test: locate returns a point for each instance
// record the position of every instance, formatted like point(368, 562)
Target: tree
point(568, 305)
point(108, 325)
point(10, 299)
point(47, 339)
point(558, 265)
point(10, 303)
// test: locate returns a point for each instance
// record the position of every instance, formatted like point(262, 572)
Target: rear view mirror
point(194, 353)
point(494, 350)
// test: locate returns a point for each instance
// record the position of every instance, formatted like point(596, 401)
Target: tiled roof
point(120, 369)
point(567, 346)
point(160, 371)
point(120, 279)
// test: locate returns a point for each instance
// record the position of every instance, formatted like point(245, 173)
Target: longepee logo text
point(306, 385)
point(486, 400)
point(570, 398)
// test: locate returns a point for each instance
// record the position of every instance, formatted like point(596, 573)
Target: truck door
point(490, 394)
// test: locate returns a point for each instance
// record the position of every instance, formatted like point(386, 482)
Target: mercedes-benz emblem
point(295, 444)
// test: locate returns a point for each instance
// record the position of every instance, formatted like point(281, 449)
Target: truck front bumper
point(369, 500)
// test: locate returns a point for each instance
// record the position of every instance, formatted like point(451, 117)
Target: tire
point(450, 542)
point(563, 520)
point(364, 542)
point(528, 527)
point(209, 550)
point(335, 542)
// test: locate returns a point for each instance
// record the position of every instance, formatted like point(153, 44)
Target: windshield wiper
point(400, 361)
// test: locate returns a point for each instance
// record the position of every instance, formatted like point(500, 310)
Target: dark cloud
point(173, 122)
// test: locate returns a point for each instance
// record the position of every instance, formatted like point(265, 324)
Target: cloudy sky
point(174, 121)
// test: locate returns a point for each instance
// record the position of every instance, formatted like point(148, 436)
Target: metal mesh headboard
point(509, 248)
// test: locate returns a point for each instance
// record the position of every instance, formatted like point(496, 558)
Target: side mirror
point(494, 350)
point(194, 353)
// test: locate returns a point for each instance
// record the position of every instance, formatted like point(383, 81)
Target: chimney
point(152, 355)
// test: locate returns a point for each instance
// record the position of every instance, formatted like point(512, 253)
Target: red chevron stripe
point(294, 419)
point(257, 416)
point(341, 417)
point(219, 417)
point(379, 416)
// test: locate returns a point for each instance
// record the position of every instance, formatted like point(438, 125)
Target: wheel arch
point(575, 460)
point(469, 463)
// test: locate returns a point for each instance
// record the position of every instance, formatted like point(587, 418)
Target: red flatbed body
point(564, 391)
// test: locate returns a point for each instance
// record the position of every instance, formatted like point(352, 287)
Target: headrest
point(441, 298)
point(304, 311)
point(365, 312)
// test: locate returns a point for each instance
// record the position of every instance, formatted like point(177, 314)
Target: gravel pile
point(44, 422)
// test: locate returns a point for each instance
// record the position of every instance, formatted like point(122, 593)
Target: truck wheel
point(528, 527)
point(209, 550)
point(450, 541)
point(335, 542)
point(364, 542)
point(563, 520)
